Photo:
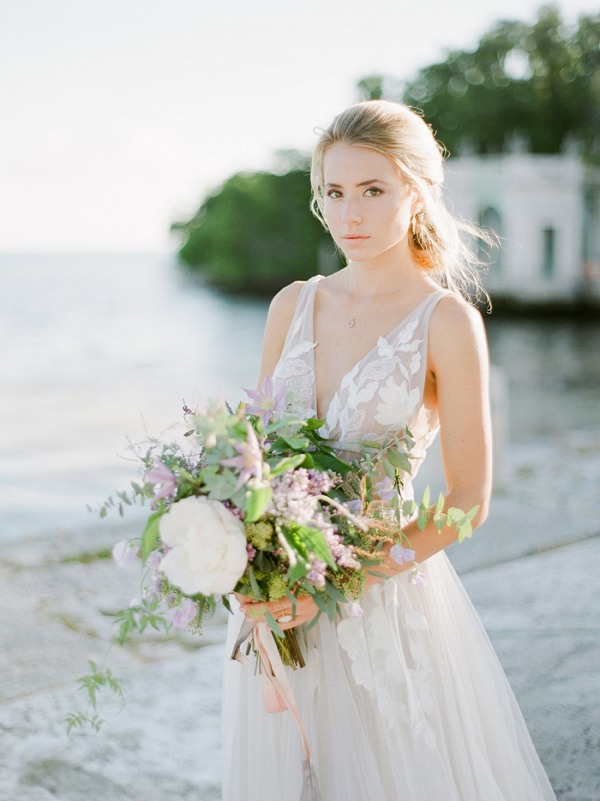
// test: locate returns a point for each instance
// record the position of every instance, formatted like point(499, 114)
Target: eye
point(334, 193)
point(373, 191)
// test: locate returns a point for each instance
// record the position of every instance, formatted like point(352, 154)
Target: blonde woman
point(409, 701)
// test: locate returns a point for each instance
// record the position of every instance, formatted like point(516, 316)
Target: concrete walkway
point(540, 609)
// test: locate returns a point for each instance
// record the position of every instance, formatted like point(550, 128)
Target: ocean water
point(98, 348)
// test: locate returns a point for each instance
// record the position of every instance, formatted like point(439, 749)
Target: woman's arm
point(279, 318)
point(459, 361)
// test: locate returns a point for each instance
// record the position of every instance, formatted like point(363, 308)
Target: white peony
point(208, 547)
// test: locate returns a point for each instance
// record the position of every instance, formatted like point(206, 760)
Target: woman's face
point(368, 206)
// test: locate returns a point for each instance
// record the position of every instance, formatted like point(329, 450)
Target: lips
point(354, 237)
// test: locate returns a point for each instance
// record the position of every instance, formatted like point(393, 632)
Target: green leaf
point(320, 601)
point(151, 533)
point(333, 592)
point(399, 459)
point(439, 504)
point(313, 621)
point(331, 605)
point(273, 624)
point(313, 423)
point(464, 528)
point(298, 571)
point(254, 584)
point(257, 502)
point(325, 461)
point(408, 507)
point(314, 540)
point(472, 512)
point(378, 574)
point(425, 497)
point(294, 599)
point(296, 443)
point(422, 518)
point(289, 463)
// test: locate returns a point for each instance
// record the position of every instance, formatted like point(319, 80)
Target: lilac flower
point(267, 400)
point(125, 552)
point(402, 555)
point(355, 609)
point(418, 579)
point(251, 551)
point(250, 458)
point(180, 616)
point(317, 573)
point(386, 488)
point(160, 474)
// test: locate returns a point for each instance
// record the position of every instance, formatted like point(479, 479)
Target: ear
point(417, 204)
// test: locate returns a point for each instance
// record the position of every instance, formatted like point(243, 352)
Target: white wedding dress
point(408, 702)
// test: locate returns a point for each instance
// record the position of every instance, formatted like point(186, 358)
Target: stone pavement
point(532, 572)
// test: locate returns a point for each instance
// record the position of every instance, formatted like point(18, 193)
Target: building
point(546, 211)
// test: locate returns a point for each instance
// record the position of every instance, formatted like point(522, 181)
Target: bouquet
point(259, 504)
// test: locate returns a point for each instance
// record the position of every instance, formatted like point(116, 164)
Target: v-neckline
point(362, 359)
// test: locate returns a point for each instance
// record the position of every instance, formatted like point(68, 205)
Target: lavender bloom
point(292, 498)
point(402, 555)
point(251, 551)
point(386, 489)
point(160, 474)
point(354, 506)
point(355, 609)
point(250, 459)
point(125, 552)
point(418, 579)
point(267, 401)
point(180, 616)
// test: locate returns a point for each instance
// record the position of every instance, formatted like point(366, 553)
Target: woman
point(408, 701)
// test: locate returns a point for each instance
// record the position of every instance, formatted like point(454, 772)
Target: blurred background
point(154, 196)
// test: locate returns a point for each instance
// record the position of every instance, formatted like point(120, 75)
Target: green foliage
point(256, 233)
point(539, 82)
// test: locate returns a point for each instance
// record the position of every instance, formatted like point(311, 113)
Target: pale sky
point(118, 115)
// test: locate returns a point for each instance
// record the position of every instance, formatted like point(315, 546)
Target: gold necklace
point(353, 316)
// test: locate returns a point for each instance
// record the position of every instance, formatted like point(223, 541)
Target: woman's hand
point(306, 609)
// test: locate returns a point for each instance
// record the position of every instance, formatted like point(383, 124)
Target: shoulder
point(456, 329)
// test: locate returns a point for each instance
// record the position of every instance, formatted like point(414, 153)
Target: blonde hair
point(440, 242)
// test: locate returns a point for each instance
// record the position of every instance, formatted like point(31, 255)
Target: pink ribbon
point(278, 695)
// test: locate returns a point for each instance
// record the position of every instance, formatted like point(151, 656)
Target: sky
point(120, 115)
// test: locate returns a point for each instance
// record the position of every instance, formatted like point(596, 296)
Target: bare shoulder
point(456, 330)
point(284, 302)
point(279, 319)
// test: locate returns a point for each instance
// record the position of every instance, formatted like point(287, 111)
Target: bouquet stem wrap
point(277, 694)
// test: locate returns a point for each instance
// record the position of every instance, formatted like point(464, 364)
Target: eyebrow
point(363, 183)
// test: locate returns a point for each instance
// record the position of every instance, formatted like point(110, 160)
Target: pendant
point(351, 323)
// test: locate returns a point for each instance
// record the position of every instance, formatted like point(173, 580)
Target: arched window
point(489, 218)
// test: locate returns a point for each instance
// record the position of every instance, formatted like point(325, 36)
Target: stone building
point(546, 211)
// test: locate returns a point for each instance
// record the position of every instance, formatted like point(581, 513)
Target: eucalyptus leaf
point(273, 624)
point(151, 533)
point(314, 621)
point(257, 502)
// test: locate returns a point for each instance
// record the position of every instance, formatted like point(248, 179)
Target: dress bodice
point(380, 395)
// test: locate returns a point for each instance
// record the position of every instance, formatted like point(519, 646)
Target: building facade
point(546, 211)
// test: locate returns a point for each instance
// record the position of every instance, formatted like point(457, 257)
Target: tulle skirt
point(407, 702)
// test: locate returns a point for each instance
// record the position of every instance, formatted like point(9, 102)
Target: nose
point(351, 212)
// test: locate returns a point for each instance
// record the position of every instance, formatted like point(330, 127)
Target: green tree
point(256, 233)
point(540, 82)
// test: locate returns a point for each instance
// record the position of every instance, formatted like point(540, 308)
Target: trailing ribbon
point(277, 694)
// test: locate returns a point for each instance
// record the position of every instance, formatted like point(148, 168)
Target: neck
point(390, 271)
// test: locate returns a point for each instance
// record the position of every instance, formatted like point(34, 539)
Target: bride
point(407, 701)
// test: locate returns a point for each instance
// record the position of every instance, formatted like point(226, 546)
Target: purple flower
point(386, 488)
point(125, 552)
point(154, 559)
point(180, 616)
point(402, 555)
point(354, 506)
point(250, 459)
point(418, 579)
point(355, 609)
point(267, 401)
point(160, 474)
point(251, 551)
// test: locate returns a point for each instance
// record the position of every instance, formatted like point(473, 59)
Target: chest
point(341, 348)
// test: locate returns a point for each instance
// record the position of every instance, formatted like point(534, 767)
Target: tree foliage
point(539, 82)
point(256, 233)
